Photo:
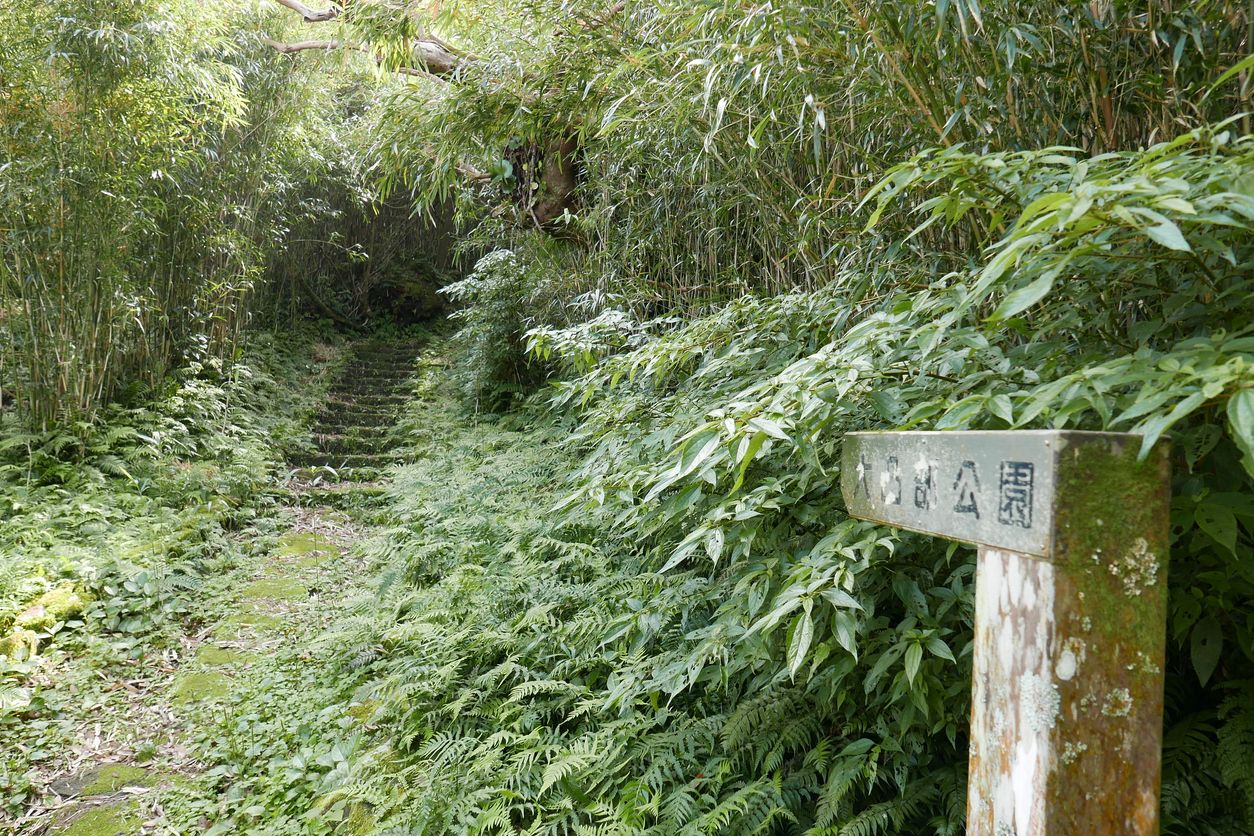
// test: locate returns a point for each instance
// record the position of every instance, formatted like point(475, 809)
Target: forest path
point(277, 607)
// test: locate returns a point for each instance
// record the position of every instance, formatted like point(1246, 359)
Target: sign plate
point(991, 488)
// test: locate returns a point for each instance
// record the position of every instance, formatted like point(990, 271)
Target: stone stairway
point(352, 432)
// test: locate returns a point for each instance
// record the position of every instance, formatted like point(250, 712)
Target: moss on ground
point(108, 820)
point(103, 780)
point(312, 561)
point(279, 589)
point(259, 620)
point(232, 627)
point(212, 655)
point(200, 686)
point(112, 777)
point(301, 543)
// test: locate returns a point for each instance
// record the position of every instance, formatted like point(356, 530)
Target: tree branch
point(435, 62)
point(435, 58)
point(310, 15)
point(301, 46)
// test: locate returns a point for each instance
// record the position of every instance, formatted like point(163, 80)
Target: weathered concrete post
point(1070, 615)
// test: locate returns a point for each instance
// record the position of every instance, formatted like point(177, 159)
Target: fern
point(1236, 745)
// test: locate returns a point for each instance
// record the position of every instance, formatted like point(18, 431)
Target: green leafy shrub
point(136, 602)
point(498, 300)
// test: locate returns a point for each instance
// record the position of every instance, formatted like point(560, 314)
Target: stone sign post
point(1070, 613)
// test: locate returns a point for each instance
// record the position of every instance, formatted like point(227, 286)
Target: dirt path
point(276, 606)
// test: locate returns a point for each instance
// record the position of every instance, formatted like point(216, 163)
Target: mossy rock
point(201, 686)
point(359, 820)
point(363, 711)
point(57, 604)
point(277, 589)
point(20, 643)
point(213, 656)
point(121, 819)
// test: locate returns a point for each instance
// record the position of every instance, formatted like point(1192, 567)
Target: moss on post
point(1111, 543)
point(1066, 720)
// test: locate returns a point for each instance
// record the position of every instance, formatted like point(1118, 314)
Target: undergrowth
point(118, 532)
point(685, 633)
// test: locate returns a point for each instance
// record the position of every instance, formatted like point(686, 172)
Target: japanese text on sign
point(994, 488)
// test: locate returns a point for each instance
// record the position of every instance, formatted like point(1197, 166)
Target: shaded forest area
point(595, 574)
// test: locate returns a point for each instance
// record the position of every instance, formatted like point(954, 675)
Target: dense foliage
point(634, 602)
point(117, 538)
point(944, 217)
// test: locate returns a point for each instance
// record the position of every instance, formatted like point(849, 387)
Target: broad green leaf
point(746, 458)
point(1165, 232)
point(13, 698)
point(1153, 429)
point(887, 404)
point(908, 592)
point(765, 425)
point(846, 629)
point(1205, 645)
point(914, 656)
point(1241, 425)
point(841, 598)
point(1001, 406)
point(937, 647)
point(858, 747)
point(1025, 297)
point(1241, 66)
point(882, 664)
point(714, 544)
point(1219, 522)
point(799, 645)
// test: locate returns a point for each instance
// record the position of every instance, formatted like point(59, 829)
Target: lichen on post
point(1066, 718)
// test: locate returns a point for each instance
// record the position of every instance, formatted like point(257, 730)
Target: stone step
point(351, 444)
point(344, 496)
point(357, 388)
point(366, 399)
point(350, 424)
point(395, 356)
point(350, 404)
point(358, 381)
point(341, 460)
point(369, 414)
point(391, 368)
point(325, 476)
point(349, 427)
point(376, 370)
point(366, 433)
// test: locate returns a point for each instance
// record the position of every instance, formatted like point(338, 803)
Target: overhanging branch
point(555, 165)
point(433, 60)
point(310, 15)
point(301, 46)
